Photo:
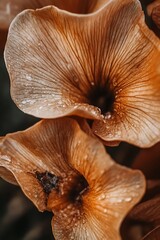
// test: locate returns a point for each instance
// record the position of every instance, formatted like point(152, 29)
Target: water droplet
point(69, 66)
point(128, 199)
point(92, 83)
point(29, 77)
point(108, 115)
point(105, 210)
point(75, 79)
point(102, 197)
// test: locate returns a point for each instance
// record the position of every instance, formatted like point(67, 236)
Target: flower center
point(72, 186)
point(102, 97)
point(78, 187)
point(47, 180)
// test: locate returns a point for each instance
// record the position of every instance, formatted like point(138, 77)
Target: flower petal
point(7, 175)
point(153, 235)
point(51, 70)
point(135, 76)
point(28, 152)
point(148, 161)
point(56, 65)
point(113, 191)
point(62, 149)
point(148, 211)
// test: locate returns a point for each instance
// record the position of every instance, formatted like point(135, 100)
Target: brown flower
point(62, 169)
point(103, 66)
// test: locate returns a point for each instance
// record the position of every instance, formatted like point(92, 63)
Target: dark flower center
point(72, 186)
point(78, 187)
point(102, 97)
point(47, 180)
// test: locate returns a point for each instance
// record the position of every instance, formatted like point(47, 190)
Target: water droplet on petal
point(129, 199)
point(105, 210)
point(108, 115)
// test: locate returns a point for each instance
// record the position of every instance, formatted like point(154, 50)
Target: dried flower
point(103, 66)
point(62, 169)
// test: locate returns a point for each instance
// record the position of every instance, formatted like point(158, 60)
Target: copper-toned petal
point(135, 76)
point(113, 191)
point(153, 235)
point(52, 80)
point(61, 67)
point(148, 211)
point(30, 152)
point(148, 161)
point(7, 175)
point(61, 168)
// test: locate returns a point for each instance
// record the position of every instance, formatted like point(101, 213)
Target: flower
point(62, 169)
point(104, 66)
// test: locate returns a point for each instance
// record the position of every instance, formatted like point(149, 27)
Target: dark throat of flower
point(72, 186)
point(78, 185)
point(102, 97)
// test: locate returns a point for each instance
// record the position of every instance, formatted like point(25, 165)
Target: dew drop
point(28, 77)
point(75, 79)
point(102, 197)
point(92, 83)
point(129, 199)
point(108, 115)
point(105, 210)
point(69, 66)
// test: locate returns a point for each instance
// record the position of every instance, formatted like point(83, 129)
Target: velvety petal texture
point(62, 169)
point(104, 66)
point(148, 211)
point(153, 235)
